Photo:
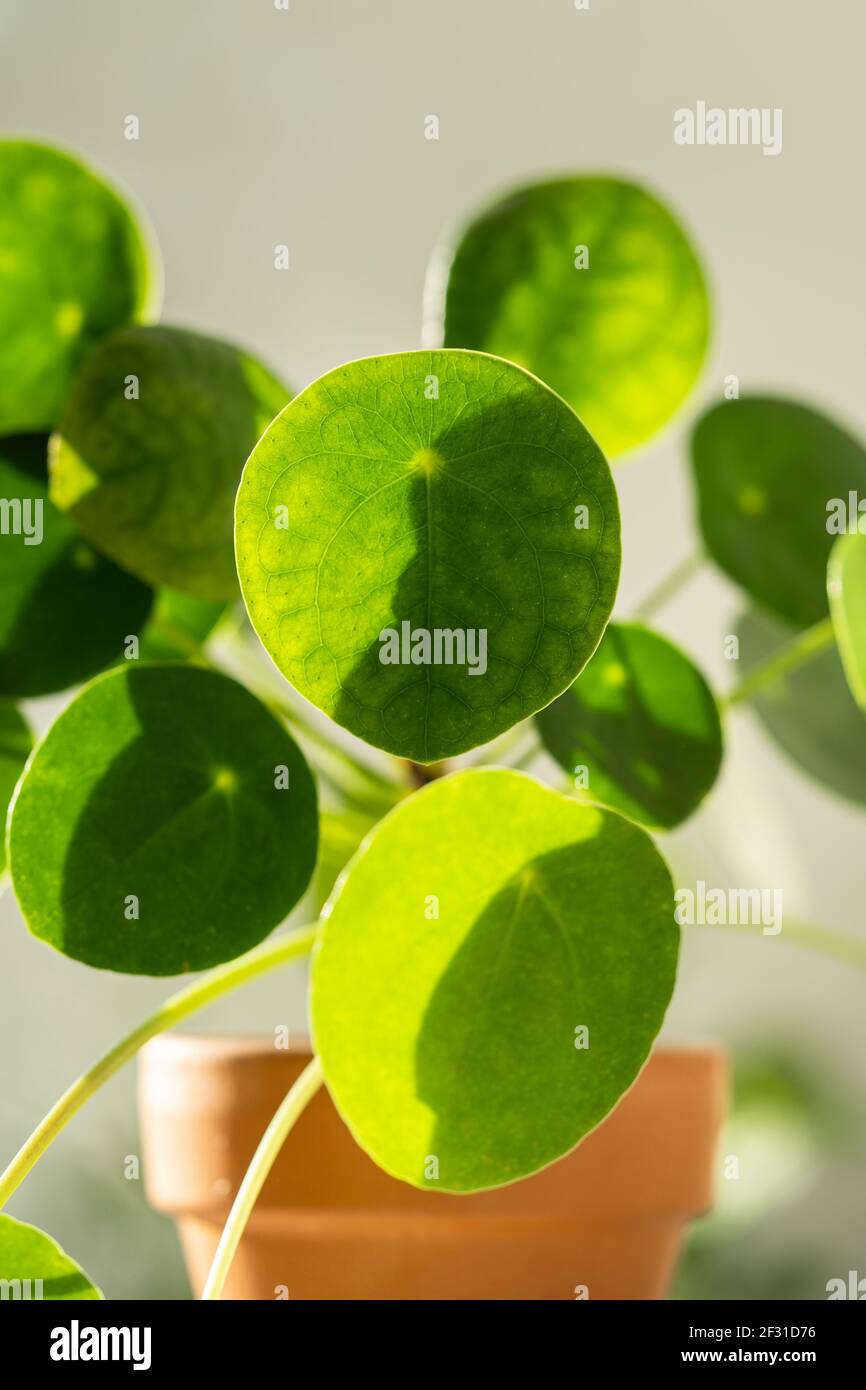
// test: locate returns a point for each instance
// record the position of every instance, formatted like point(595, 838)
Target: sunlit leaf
point(592, 284)
point(494, 967)
point(445, 498)
point(33, 1266)
point(846, 586)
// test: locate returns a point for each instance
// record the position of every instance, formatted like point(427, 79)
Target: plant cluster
point(427, 545)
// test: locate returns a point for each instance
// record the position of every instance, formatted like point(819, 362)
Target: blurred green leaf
point(785, 1118)
point(167, 822)
point(622, 338)
point(150, 450)
point(643, 725)
point(75, 263)
point(771, 1141)
point(65, 611)
point(766, 471)
point(16, 742)
point(489, 978)
point(810, 712)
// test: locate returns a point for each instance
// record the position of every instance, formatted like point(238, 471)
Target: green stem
point(368, 781)
point(422, 774)
point(671, 585)
point(260, 1166)
point(835, 945)
point(187, 1001)
point(356, 802)
point(523, 757)
point(363, 786)
point(174, 635)
point(495, 754)
point(367, 789)
point(796, 653)
point(838, 946)
point(290, 713)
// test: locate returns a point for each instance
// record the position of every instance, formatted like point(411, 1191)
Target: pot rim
point(217, 1046)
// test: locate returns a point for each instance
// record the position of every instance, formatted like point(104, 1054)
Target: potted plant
point(427, 545)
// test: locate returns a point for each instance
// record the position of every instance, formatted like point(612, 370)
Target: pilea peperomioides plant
point(427, 545)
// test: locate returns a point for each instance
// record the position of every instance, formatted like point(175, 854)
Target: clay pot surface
point(329, 1224)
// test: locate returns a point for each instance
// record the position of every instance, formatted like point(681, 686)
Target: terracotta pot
point(330, 1225)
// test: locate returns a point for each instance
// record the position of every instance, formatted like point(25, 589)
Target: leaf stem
point(261, 1163)
point(793, 655)
point(179, 1006)
point(833, 944)
point(369, 790)
point(494, 754)
point(524, 756)
point(838, 946)
point(670, 585)
point(290, 712)
point(516, 748)
point(371, 782)
point(174, 635)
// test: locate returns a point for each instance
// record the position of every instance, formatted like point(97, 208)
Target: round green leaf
point(16, 742)
point(484, 932)
point(65, 611)
point(769, 476)
point(166, 823)
point(639, 729)
point(846, 587)
point(150, 450)
point(428, 493)
point(810, 712)
point(74, 265)
point(33, 1266)
point(592, 284)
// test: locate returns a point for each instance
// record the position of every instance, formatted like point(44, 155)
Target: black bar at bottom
point(258, 1340)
